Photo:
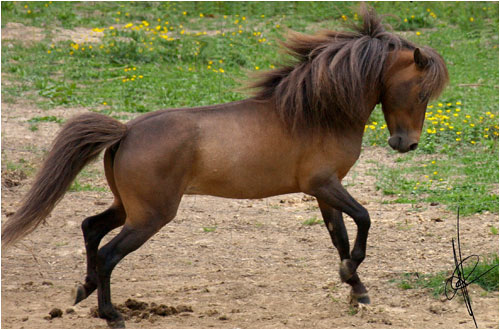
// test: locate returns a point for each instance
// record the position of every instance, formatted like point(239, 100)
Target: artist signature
point(459, 280)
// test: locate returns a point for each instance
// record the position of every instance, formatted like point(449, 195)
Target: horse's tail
point(79, 142)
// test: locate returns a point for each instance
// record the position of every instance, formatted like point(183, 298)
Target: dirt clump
point(13, 178)
point(54, 313)
point(142, 310)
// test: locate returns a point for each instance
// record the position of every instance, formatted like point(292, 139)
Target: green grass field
point(144, 56)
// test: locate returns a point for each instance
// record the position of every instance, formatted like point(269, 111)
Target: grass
point(312, 221)
point(77, 186)
point(209, 229)
point(465, 180)
point(143, 56)
point(435, 283)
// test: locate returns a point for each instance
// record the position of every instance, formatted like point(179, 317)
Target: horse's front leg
point(333, 199)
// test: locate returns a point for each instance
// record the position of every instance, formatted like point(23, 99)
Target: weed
point(493, 230)
point(77, 186)
point(209, 229)
point(45, 119)
point(312, 221)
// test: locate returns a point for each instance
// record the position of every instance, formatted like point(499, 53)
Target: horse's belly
point(232, 185)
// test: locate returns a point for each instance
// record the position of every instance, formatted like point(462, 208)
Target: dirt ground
point(233, 263)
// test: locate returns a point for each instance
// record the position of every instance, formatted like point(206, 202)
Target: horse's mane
point(333, 71)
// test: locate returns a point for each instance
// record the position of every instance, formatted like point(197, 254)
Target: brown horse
point(301, 132)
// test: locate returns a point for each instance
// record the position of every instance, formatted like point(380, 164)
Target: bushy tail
point(79, 142)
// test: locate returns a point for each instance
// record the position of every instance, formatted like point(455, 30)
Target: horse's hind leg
point(134, 233)
point(94, 229)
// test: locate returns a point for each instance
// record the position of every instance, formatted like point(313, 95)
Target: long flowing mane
point(333, 71)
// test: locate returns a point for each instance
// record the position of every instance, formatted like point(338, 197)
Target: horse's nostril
point(394, 142)
point(413, 146)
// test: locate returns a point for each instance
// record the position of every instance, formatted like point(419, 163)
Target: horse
point(300, 131)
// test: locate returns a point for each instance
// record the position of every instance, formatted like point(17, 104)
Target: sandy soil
point(260, 267)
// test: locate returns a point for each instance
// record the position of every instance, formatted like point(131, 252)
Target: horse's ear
point(421, 60)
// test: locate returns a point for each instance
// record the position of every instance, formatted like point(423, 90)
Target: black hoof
point(78, 294)
point(361, 298)
point(116, 323)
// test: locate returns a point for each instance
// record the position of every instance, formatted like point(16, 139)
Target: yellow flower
point(406, 20)
point(473, 142)
point(458, 139)
point(458, 133)
point(418, 33)
point(221, 70)
point(201, 15)
point(440, 104)
point(185, 13)
point(433, 162)
point(257, 68)
point(471, 19)
point(141, 76)
point(458, 103)
point(104, 103)
point(344, 17)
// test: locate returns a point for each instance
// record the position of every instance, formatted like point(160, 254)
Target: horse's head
point(413, 77)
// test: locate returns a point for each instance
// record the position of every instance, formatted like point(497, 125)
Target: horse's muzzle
point(402, 144)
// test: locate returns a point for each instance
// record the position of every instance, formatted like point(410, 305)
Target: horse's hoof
point(78, 294)
point(116, 323)
point(360, 298)
point(346, 270)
